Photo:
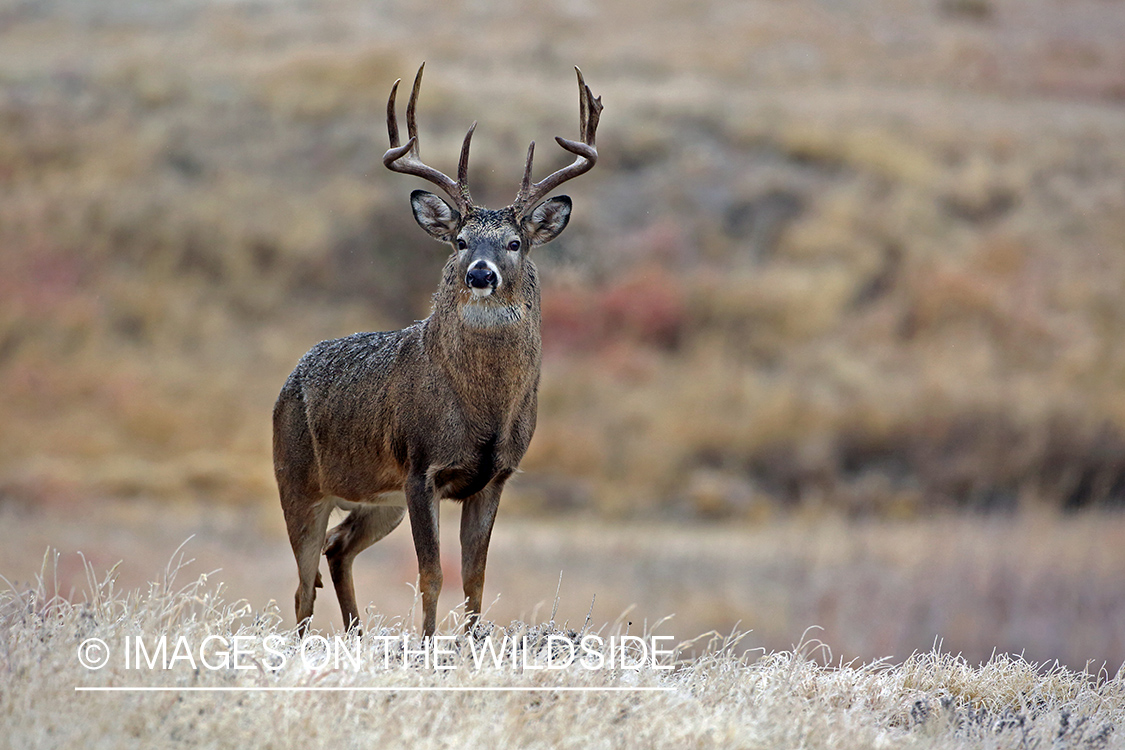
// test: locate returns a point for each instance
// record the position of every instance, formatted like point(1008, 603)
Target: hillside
point(864, 256)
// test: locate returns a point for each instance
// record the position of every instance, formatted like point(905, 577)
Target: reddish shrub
point(646, 306)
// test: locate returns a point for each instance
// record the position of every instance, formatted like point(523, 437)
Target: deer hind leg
point(363, 527)
point(306, 522)
point(477, 516)
point(306, 513)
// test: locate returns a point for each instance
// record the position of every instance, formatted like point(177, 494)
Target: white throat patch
point(479, 313)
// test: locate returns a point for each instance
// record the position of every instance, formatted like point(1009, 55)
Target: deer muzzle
point(483, 278)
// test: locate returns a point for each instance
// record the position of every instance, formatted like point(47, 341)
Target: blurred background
point(836, 336)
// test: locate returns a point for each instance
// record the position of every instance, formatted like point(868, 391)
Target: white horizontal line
point(362, 689)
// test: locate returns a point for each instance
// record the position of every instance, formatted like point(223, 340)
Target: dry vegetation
point(783, 699)
point(1044, 588)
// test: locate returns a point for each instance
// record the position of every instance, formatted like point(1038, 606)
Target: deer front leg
point(477, 516)
point(422, 504)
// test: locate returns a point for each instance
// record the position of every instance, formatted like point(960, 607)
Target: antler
point(589, 110)
point(405, 158)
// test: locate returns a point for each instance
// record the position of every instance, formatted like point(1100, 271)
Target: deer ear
point(548, 220)
point(438, 218)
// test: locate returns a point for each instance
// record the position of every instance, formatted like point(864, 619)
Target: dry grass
point(1040, 587)
point(782, 699)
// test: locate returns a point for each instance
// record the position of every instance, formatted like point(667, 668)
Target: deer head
point(490, 246)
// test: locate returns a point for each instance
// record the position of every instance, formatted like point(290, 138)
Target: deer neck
point(488, 348)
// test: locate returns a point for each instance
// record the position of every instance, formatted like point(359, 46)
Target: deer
point(389, 423)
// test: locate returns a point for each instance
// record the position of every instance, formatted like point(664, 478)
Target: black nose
point(481, 278)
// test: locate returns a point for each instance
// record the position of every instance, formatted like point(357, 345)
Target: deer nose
point(481, 277)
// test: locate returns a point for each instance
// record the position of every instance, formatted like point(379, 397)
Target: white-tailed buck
point(444, 409)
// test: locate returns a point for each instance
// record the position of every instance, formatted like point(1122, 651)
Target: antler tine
point(525, 185)
point(586, 154)
point(405, 158)
point(463, 164)
point(412, 106)
point(584, 95)
point(392, 121)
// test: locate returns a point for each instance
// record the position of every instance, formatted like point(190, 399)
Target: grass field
point(1044, 588)
point(394, 695)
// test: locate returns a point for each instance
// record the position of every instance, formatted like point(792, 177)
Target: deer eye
point(461, 244)
point(514, 246)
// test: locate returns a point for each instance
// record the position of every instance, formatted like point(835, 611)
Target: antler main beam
point(586, 154)
point(406, 160)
